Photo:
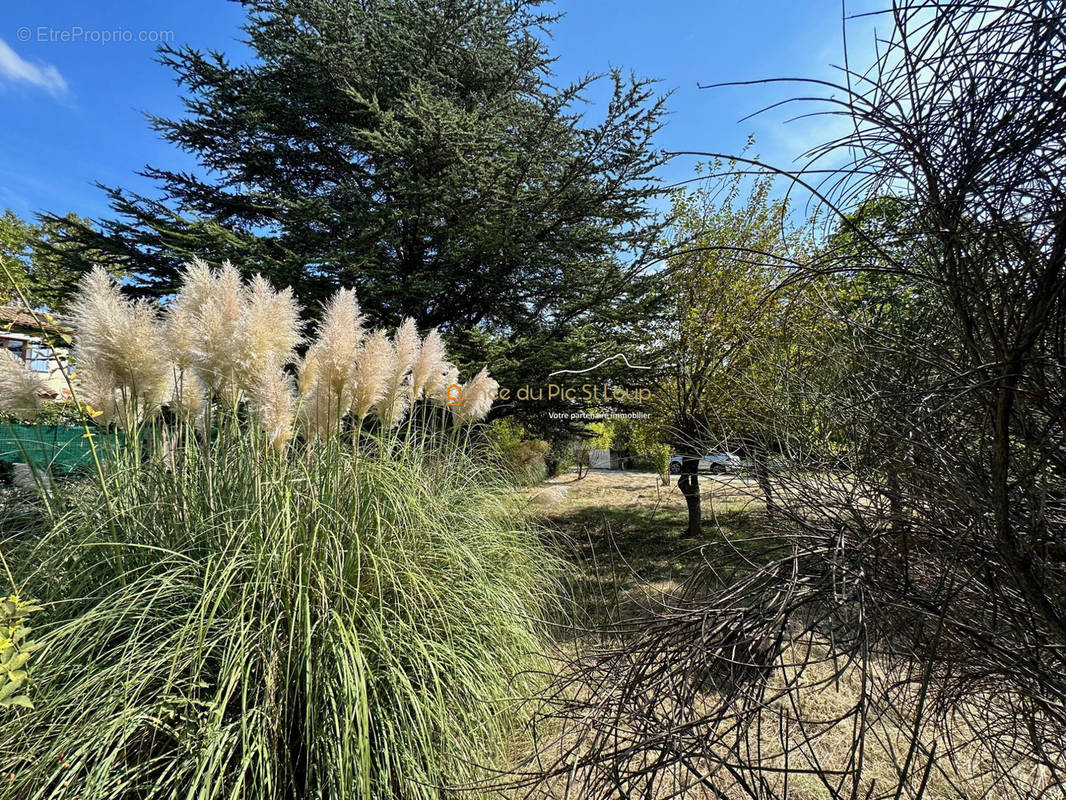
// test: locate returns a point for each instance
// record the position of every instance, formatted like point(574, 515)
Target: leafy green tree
point(639, 440)
point(418, 151)
point(41, 263)
point(16, 236)
point(735, 334)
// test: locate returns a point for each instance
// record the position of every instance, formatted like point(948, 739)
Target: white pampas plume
point(326, 370)
point(182, 323)
point(19, 386)
point(308, 371)
point(274, 402)
point(230, 332)
point(271, 327)
point(443, 376)
point(477, 397)
point(428, 362)
point(120, 339)
point(397, 394)
point(96, 390)
point(189, 394)
point(325, 375)
point(218, 350)
point(318, 411)
point(318, 414)
point(407, 345)
point(371, 372)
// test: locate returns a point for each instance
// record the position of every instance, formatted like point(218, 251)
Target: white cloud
point(16, 69)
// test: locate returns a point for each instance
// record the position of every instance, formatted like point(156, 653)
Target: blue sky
point(76, 77)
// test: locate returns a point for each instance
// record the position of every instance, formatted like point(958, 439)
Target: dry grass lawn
point(623, 534)
point(624, 530)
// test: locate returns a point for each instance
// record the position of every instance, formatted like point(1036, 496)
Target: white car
point(712, 462)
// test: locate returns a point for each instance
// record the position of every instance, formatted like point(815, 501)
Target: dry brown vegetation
point(622, 530)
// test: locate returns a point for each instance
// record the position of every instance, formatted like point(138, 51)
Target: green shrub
point(60, 412)
point(659, 457)
point(655, 458)
point(16, 649)
point(522, 458)
point(230, 621)
point(561, 457)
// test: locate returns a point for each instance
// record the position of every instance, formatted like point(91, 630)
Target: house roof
point(22, 317)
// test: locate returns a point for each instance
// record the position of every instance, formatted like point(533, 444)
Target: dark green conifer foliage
point(418, 151)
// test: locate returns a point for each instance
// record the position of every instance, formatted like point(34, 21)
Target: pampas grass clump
point(321, 604)
point(228, 622)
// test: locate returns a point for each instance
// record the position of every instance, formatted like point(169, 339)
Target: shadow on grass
point(628, 561)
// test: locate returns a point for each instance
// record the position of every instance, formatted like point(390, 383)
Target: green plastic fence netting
point(56, 448)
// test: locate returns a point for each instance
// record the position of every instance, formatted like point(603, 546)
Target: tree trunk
point(762, 475)
point(1016, 552)
point(689, 484)
point(899, 530)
